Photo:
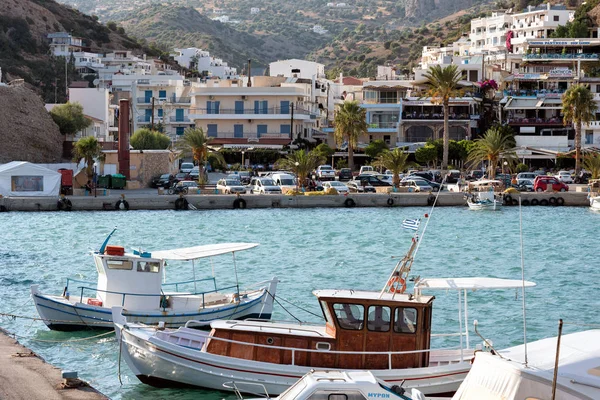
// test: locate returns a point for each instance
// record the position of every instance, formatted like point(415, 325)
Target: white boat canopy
point(472, 283)
point(485, 182)
point(196, 252)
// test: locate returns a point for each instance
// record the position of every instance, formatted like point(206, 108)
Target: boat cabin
point(132, 281)
point(363, 330)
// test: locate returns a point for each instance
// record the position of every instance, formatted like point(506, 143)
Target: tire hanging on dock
point(430, 200)
point(560, 201)
point(552, 201)
point(3, 208)
point(349, 203)
point(122, 205)
point(181, 204)
point(525, 202)
point(535, 202)
point(390, 201)
point(508, 200)
point(544, 202)
point(64, 204)
point(239, 203)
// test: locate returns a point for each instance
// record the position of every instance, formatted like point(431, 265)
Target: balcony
point(143, 118)
point(560, 56)
point(434, 116)
point(382, 126)
point(535, 121)
point(179, 119)
point(546, 93)
point(250, 136)
point(250, 111)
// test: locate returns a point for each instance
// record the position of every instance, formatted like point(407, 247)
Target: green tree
point(395, 161)
point(579, 108)
point(301, 163)
point(350, 122)
point(592, 164)
point(145, 139)
point(196, 143)
point(70, 118)
point(443, 85)
point(375, 148)
point(427, 154)
point(324, 152)
point(87, 148)
point(492, 147)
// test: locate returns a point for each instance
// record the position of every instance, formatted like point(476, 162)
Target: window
point(336, 395)
point(556, 18)
point(349, 316)
point(239, 107)
point(148, 266)
point(212, 107)
point(589, 137)
point(119, 264)
point(285, 129)
point(179, 130)
point(261, 130)
point(211, 130)
point(162, 94)
point(160, 113)
point(326, 313)
point(388, 97)
point(284, 106)
point(238, 131)
point(405, 320)
point(379, 319)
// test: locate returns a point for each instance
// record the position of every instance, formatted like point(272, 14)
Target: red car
point(540, 184)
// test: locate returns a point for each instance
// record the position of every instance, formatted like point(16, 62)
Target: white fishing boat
point(387, 333)
point(482, 195)
point(134, 281)
point(508, 375)
point(594, 201)
point(334, 385)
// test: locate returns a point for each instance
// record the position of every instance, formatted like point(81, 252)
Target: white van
point(284, 181)
point(186, 167)
point(366, 169)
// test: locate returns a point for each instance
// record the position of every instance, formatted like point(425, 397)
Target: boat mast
point(105, 243)
point(523, 280)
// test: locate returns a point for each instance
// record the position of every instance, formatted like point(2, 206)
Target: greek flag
point(412, 224)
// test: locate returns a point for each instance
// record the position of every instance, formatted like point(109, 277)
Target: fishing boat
point(386, 332)
point(595, 202)
point(593, 194)
point(510, 375)
point(334, 385)
point(135, 281)
point(482, 196)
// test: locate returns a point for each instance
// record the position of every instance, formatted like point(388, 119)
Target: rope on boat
point(14, 335)
point(296, 305)
point(15, 316)
point(281, 305)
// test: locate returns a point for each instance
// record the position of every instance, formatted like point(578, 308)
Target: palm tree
point(592, 164)
point(195, 142)
point(350, 122)
point(395, 161)
point(87, 148)
point(301, 163)
point(492, 147)
point(443, 85)
point(579, 108)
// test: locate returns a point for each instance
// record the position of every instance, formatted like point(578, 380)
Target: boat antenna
point(523, 280)
point(103, 247)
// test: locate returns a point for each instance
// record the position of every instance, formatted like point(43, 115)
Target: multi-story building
point(267, 115)
point(203, 62)
point(295, 68)
point(537, 23)
point(63, 44)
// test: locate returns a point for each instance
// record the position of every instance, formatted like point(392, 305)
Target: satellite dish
point(96, 82)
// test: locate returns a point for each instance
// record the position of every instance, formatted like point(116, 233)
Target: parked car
point(525, 183)
point(357, 187)
point(452, 176)
point(418, 185)
point(371, 180)
point(182, 176)
point(436, 187)
point(564, 176)
point(186, 167)
point(541, 184)
point(262, 185)
point(183, 187)
point(428, 176)
point(230, 186)
point(164, 180)
point(475, 175)
point(366, 169)
point(194, 173)
point(325, 172)
point(285, 181)
point(337, 185)
point(345, 174)
point(527, 175)
point(389, 178)
point(244, 177)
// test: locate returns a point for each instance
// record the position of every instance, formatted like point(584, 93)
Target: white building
point(96, 105)
point(254, 10)
point(319, 30)
point(203, 62)
point(295, 68)
point(63, 44)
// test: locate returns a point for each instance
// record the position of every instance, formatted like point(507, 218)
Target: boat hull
point(159, 363)
point(490, 206)
point(595, 203)
point(58, 313)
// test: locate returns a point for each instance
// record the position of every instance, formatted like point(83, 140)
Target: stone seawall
point(219, 202)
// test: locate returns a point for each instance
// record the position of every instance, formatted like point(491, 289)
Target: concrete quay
point(24, 375)
point(140, 200)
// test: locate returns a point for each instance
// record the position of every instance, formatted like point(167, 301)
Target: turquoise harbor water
point(307, 250)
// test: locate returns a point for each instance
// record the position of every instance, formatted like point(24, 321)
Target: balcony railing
point(534, 93)
point(383, 125)
point(265, 111)
point(179, 119)
point(559, 56)
point(535, 121)
point(143, 118)
point(249, 135)
point(172, 99)
point(435, 116)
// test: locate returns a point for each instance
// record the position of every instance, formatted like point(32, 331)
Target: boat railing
point(69, 280)
point(258, 284)
point(177, 284)
point(233, 386)
point(161, 295)
point(294, 350)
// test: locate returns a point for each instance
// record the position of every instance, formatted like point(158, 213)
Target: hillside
point(24, 50)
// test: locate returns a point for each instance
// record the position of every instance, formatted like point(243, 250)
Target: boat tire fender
point(239, 203)
point(535, 202)
point(349, 203)
point(552, 201)
point(560, 201)
point(508, 200)
point(64, 204)
point(514, 202)
point(525, 202)
point(181, 204)
point(544, 202)
point(430, 200)
point(122, 205)
point(3, 208)
point(390, 201)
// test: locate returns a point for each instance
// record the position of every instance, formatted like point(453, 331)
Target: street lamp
point(297, 177)
point(242, 158)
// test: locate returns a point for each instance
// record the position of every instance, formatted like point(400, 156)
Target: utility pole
point(55, 90)
point(66, 79)
point(152, 116)
point(292, 122)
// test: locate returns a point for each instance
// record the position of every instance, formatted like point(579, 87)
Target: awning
point(521, 104)
point(504, 100)
point(253, 146)
point(209, 250)
point(552, 104)
point(472, 283)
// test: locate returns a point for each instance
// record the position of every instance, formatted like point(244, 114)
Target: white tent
point(21, 178)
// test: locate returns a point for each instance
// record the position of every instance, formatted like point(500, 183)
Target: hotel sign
point(559, 42)
point(562, 72)
point(531, 77)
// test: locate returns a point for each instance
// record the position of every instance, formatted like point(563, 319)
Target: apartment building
point(203, 62)
point(62, 44)
point(266, 115)
point(295, 68)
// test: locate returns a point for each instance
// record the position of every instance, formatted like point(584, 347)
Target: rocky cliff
point(27, 132)
point(428, 9)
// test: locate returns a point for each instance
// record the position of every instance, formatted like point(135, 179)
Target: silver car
point(262, 185)
point(230, 186)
